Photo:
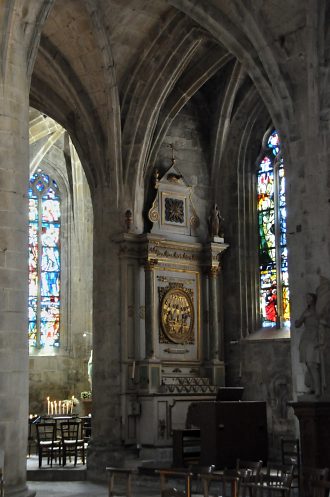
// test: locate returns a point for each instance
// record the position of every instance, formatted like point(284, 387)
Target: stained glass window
point(273, 256)
point(44, 261)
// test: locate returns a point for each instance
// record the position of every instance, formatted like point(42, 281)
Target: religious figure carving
point(309, 348)
point(177, 314)
point(216, 222)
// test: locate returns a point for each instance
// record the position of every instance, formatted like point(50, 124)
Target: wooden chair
point(71, 443)
point(125, 473)
point(278, 479)
point(47, 443)
point(184, 476)
point(86, 428)
point(249, 474)
point(196, 471)
point(290, 454)
point(223, 483)
point(320, 488)
point(309, 477)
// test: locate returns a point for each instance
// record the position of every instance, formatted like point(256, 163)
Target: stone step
point(57, 474)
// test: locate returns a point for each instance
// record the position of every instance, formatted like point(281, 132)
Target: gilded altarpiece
point(172, 336)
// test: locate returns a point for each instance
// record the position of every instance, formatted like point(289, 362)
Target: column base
point(19, 491)
point(100, 456)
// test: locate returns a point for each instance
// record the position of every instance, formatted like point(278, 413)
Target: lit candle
point(55, 406)
point(52, 408)
point(72, 404)
point(133, 370)
point(48, 405)
point(60, 407)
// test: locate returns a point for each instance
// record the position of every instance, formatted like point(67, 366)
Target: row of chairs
point(59, 443)
point(247, 480)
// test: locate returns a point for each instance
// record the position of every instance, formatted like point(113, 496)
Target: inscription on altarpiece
point(176, 314)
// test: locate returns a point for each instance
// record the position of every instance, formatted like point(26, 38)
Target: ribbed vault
point(116, 74)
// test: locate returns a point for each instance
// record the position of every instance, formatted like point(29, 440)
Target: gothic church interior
point(183, 146)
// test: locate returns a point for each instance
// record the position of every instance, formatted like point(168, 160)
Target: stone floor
point(71, 482)
point(84, 489)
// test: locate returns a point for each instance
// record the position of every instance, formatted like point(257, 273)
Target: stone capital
point(151, 264)
point(214, 271)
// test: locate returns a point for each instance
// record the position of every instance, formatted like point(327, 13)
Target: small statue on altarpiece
point(216, 222)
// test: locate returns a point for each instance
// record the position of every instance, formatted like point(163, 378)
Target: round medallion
point(177, 315)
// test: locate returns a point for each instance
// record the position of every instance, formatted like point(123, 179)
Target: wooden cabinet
point(230, 430)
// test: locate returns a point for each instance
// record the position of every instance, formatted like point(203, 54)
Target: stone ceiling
point(116, 72)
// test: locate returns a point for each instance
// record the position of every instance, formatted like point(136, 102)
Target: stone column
point(105, 448)
point(14, 376)
point(213, 307)
point(21, 37)
point(149, 369)
point(214, 366)
point(14, 174)
point(150, 320)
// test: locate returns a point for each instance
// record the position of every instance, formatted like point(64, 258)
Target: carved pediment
point(172, 210)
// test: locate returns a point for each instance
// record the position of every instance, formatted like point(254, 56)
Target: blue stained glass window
point(273, 256)
point(44, 261)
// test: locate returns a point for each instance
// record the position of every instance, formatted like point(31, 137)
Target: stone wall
point(266, 375)
point(192, 157)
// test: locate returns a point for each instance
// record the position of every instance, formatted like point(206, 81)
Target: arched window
point(44, 261)
point(273, 260)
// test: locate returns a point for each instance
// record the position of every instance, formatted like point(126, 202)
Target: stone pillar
point(106, 448)
point(14, 175)
point(14, 283)
point(151, 324)
point(307, 154)
point(150, 369)
point(214, 366)
point(213, 307)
